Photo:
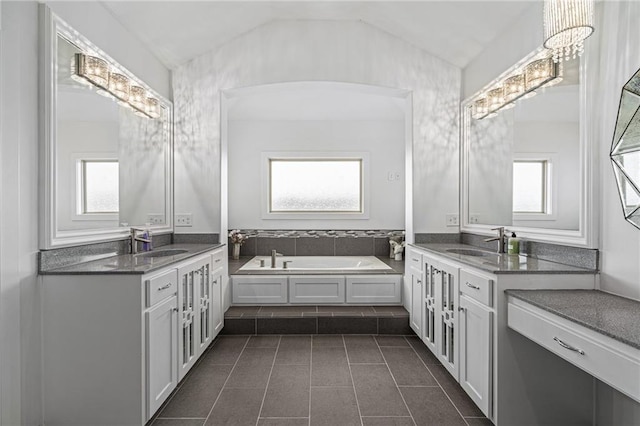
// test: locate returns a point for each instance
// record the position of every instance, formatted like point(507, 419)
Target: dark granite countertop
point(613, 316)
point(502, 263)
point(397, 267)
point(130, 264)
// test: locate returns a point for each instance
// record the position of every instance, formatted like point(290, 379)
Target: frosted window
point(101, 187)
point(631, 164)
point(529, 186)
point(316, 185)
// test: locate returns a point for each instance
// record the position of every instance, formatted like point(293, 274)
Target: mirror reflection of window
point(315, 185)
point(530, 186)
point(631, 163)
point(100, 186)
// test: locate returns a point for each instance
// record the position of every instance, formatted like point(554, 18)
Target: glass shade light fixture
point(138, 97)
point(115, 84)
point(479, 108)
point(513, 87)
point(495, 98)
point(567, 23)
point(539, 72)
point(91, 69)
point(119, 86)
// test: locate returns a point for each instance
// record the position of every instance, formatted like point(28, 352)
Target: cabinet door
point(476, 323)
point(429, 323)
point(189, 316)
point(416, 301)
point(447, 313)
point(162, 353)
point(205, 303)
point(217, 315)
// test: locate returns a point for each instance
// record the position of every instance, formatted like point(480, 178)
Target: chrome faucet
point(135, 238)
point(274, 253)
point(500, 239)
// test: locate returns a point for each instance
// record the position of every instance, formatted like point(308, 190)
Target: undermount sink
point(471, 252)
point(163, 253)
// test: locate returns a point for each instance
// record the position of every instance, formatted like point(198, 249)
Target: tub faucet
point(135, 237)
point(273, 257)
point(500, 239)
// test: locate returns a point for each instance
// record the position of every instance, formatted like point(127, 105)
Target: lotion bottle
point(513, 244)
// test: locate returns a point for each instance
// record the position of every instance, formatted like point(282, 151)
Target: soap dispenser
point(513, 244)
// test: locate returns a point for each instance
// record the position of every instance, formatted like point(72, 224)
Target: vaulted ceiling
point(178, 31)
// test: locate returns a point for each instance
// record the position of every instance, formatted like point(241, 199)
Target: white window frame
point(78, 188)
point(265, 160)
point(550, 189)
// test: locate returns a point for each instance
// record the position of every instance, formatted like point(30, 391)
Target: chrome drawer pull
point(415, 260)
point(164, 287)
point(419, 281)
point(571, 348)
point(468, 284)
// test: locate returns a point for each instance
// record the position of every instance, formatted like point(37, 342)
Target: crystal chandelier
point(567, 23)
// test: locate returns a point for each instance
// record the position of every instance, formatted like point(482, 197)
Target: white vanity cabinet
point(162, 352)
point(463, 314)
point(414, 278)
point(112, 342)
point(476, 338)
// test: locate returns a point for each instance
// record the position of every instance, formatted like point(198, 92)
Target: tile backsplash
point(318, 242)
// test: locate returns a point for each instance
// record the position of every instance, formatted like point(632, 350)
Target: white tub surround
point(314, 280)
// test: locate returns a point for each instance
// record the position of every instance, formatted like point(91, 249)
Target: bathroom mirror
point(526, 167)
point(625, 150)
point(107, 154)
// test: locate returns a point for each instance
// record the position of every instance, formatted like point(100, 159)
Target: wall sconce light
point(567, 23)
point(94, 70)
point(519, 84)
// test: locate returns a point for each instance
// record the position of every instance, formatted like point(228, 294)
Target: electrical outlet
point(391, 176)
point(452, 219)
point(474, 218)
point(155, 219)
point(183, 219)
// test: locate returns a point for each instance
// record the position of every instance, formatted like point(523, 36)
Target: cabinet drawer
point(477, 287)
point(414, 259)
point(161, 286)
point(610, 361)
point(216, 258)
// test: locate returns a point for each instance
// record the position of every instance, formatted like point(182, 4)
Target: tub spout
point(273, 258)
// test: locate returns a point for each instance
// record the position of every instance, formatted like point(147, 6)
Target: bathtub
point(319, 263)
point(316, 280)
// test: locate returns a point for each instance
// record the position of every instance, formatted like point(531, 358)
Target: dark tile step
point(383, 324)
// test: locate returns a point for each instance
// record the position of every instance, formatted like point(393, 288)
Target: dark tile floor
point(333, 380)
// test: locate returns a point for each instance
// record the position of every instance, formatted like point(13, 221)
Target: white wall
point(20, 400)
point(316, 117)
point(383, 140)
point(285, 51)
point(613, 57)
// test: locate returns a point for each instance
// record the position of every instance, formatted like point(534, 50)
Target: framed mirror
point(625, 150)
point(107, 144)
point(526, 165)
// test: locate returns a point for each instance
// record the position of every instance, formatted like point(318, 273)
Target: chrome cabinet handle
point(419, 281)
point(566, 346)
point(415, 260)
point(461, 309)
point(468, 284)
point(217, 260)
point(164, 287)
